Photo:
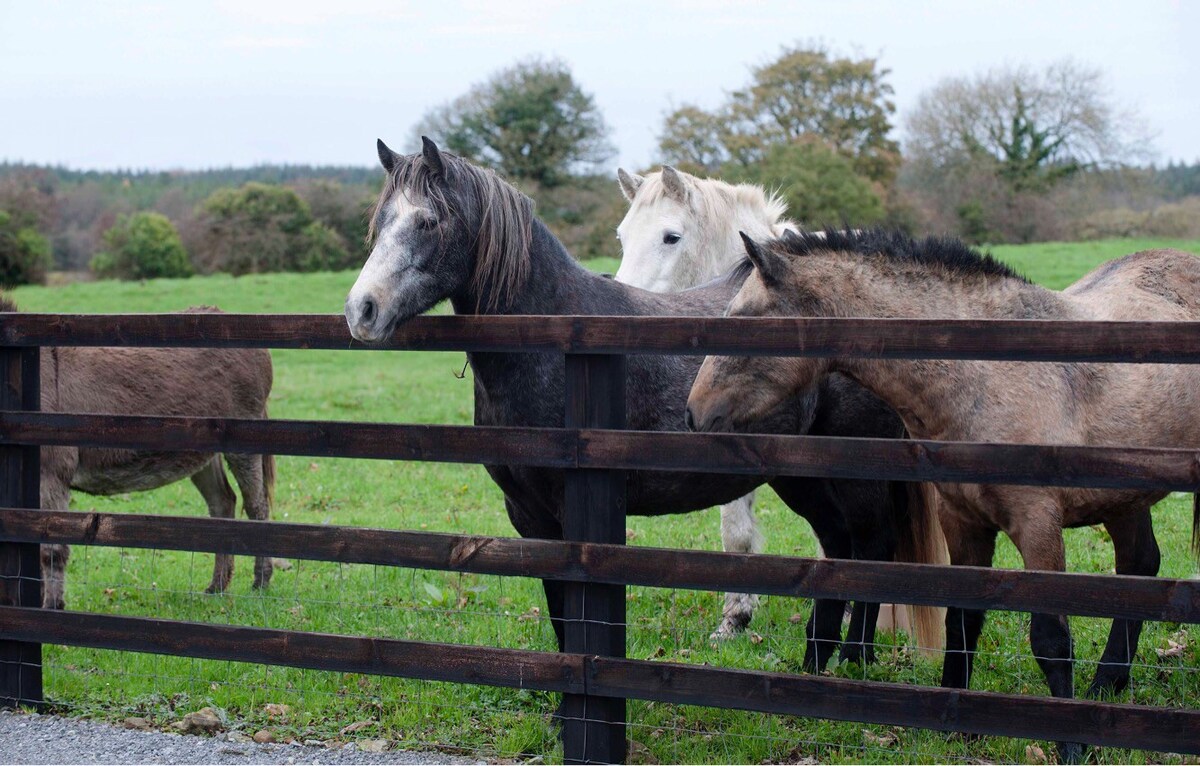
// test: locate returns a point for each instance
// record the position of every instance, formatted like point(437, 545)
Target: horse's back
point(173, 382)
point(1151, 285)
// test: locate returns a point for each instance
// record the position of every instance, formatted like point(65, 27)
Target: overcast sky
point(237, 82)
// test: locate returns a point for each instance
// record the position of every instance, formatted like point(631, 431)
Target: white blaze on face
point(388, 268)
point(391, 253)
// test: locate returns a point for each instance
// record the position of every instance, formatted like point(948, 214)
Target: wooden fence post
point(594, 727)
point(20, 563)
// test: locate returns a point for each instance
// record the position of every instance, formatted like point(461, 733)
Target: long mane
point(947, 253)
point(6, 303)
point(502, 216)
point(720, 199)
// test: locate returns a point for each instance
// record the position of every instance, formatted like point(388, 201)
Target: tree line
point(1012, 154)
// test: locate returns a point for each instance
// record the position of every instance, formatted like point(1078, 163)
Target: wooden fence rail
point(1085, 595)
point(596, 677)
point(757, 454)
point(1029, 340)
point(593, 564)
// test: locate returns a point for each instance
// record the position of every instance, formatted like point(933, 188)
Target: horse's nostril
point(689, 419)
point(368, 310)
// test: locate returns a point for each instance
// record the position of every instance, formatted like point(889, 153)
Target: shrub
point(24, 253)
point(142, 246)
point(820, 186)
point(263, 227)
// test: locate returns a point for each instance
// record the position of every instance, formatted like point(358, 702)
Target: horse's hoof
point(731, 625)
point(1070, 752)
point(1107, 686)
point(726, 631)
point(856, 654)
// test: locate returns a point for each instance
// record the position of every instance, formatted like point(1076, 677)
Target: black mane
point(949, 253)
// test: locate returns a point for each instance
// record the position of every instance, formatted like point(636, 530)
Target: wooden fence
point(593, 673)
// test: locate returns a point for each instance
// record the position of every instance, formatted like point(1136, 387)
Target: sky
point(164, 85)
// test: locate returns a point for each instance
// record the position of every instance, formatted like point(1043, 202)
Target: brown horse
point(198, 382)
point(877, 274)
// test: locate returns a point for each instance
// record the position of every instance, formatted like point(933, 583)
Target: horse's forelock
point(502, 216)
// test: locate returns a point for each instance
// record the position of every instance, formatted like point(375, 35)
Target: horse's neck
point(552, 285)
point(861, 286)
point(724, 248)
point(935, 397)
point(556, 285)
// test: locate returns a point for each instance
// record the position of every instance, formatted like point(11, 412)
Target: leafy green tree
point(531, 122)
point(806, 94)
point(142, 246)
point(821, 186)
point(24, 253)
point(262, 227)
point(322, 249)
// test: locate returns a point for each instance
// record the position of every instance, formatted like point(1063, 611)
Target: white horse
point(682, 231)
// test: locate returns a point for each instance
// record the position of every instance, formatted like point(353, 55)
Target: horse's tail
point(920, 541)
point(268, 470)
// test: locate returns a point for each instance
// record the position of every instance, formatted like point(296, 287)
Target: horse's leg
point(1137, 554)
point(248, 473)
point(546, 527)
point(970, 544)
point(222, 503)
point(739, 534)
point(867, 508)
point(810, 499)
point(58, 468)
point(1040, 541)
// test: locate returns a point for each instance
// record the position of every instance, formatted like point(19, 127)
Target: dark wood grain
point(1095, 723)
point(824, 456)
point(318, 651)
point(1028, 340)
point(594, 512)
point(1047, 718)
point(20, 563)
point(1091, 595)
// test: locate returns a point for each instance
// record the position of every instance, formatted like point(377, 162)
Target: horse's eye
point(427, 223)
point(670, 238)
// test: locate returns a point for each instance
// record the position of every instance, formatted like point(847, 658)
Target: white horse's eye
point(670, 238)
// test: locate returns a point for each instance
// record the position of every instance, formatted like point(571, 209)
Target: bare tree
point(1033, 128)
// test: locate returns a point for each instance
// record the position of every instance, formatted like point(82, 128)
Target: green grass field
point(671, 625)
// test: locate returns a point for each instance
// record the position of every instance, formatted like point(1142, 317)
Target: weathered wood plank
point(754, 454)
point(1140, 598)
point(1027, 340)
point(20, 562)
point(1048, 718)
point(1095, 723)
point(318, 651)
point(594, 614)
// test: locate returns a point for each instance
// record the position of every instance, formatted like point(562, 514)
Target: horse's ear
point(770, 266)
point(432, 156)
point(387, 157)
point(629, 183)
point(791, 238)
point(674, 184)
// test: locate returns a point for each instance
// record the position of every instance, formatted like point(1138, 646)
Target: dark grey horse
point(444, 229)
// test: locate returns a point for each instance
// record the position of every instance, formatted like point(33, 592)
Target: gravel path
point(27, 738)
